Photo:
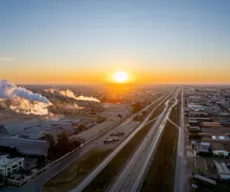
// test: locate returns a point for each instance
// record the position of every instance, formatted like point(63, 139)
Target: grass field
point(69, 178)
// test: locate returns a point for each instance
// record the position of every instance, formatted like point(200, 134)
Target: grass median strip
point(70, 177)
point(160, 176)
point(104, 179)
point(158, 111)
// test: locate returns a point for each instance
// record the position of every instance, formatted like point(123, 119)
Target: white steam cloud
point(27, 107)
point(69, 94)
point(23, 100)
point(10, 91)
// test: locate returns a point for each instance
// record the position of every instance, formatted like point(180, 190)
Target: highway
point(181, 174)
point(106, 161)
point(133, 174)
point(36, 184)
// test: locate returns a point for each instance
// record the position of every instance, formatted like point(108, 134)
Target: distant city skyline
point(72, 42)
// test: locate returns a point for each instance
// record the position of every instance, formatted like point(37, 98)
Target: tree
point(75, 144)
point(41, 161)
point(137, 107)
point(76, 131)
point(63, 144)
point(136, 118)
point(81, 127)
point(50, 139)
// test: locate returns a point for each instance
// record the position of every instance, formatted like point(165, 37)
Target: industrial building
point(17, 125)
point(202, 149)
point(26, 146)
point(220, 149)
point(211, 124)
point(198, 114)
point(10, 165)
point(194, 128)
point(223, 170)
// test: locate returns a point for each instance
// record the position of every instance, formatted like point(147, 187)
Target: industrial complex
point(37, 149)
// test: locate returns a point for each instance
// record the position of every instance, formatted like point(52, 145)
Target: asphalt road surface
point(181, 174)
point(132, 176)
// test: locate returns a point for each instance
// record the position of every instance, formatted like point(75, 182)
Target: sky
point(86, 41)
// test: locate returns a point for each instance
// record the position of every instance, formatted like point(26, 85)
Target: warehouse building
point(211, 124)
point(202, 149)
point(16, 126)
point(220, 149)
point(198, 114)
point(223, 170)
point(194, 128)
point(26, 146)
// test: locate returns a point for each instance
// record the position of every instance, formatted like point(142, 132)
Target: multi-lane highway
point(181, 176)
point(103, 164)
point(133, 174)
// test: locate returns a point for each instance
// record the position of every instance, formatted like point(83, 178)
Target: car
point(117, 133)
point(116, 139)
point(111, 139)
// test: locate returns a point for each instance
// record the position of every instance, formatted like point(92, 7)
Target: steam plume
point(69, 94)
point(22, 100)
point(27, 107)
point(9, 91)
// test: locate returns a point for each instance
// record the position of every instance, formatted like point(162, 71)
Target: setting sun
point(120, 76)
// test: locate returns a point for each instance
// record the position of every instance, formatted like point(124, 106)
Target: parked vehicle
point(120, 133)
point(111, 139)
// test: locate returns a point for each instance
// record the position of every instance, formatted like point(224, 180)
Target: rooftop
point(201, 148)
point(222, 168)
point(222, 138)
point(221, 146)
point(26, 146)
point(4, 160)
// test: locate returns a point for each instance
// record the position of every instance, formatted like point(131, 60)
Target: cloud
point(6, 59)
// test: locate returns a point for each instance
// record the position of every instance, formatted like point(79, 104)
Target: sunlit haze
point(86, 41)
point(120, 76)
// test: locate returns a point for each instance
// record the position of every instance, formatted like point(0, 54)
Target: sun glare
point(120, 76)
